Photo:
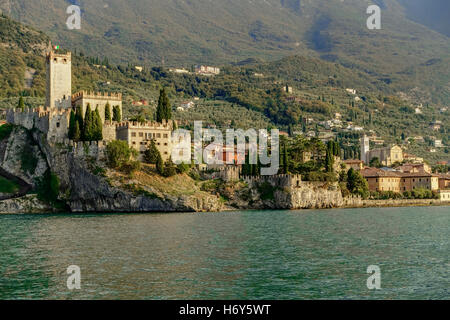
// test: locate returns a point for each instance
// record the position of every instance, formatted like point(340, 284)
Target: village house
point(444, 195)
point(410, 158)
point(436, 125)
point(186, 105)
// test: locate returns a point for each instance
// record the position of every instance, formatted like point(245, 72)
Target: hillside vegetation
point(406, 54)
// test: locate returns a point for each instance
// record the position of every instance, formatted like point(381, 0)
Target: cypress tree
point(88, 126)
point(285, 159)
point(21, 104)
point(76, 132)
point(159, 164)
point(98, 126)
point(117, 116)
point(164, 110)
point(159, 109)
point(72, 123)
point(108, 112)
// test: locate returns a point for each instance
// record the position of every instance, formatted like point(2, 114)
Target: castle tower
point(59, 80)
point(365, 148)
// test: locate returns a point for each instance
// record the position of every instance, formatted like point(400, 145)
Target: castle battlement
point(97, 95)
point(52, 55)
point(145, 125)
point(41, 112)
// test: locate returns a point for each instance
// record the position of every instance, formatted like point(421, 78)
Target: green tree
point(72, 123)
point(164, 109)
point(117, 116)
point(169, 168)
point(118, 153)
point(152, 153)
point(375, 162)
point(356, 183)
point(108, 112)
point(285, 159)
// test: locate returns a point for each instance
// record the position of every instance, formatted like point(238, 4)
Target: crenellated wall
point(92, 149)
point(280, 180)
point(51, 121)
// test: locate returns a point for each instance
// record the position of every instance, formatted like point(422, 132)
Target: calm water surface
point(236, 255)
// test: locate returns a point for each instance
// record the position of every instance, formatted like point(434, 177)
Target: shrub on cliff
point(119, 154)
point(151, 154)
point(5, 131)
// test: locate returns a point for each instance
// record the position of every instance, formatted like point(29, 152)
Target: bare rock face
point(26, 204)
point(22, 157)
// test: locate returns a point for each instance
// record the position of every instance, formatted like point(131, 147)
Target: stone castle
point(53, 118)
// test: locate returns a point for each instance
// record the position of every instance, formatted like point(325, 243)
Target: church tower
point(59, 80)
point(365, 148)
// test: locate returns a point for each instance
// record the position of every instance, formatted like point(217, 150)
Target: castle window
point(165, 144)
point(57, 124)
point(133, 134)
point(134, 142)
point(158, 135)
point(166, 135)
point(55, 60)
point(141, 134)
point(165, 152)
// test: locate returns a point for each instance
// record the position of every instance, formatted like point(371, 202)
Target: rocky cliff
point(27, 155)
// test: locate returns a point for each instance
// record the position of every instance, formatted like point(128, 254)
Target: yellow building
point(424, 180)
point(139, 136)
point(381, 180)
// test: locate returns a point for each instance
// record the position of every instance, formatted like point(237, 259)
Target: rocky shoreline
point(29, 204)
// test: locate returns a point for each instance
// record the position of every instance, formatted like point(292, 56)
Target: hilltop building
point(53, 119)
point(206, 70)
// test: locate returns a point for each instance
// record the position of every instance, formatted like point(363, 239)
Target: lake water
point(308, 254)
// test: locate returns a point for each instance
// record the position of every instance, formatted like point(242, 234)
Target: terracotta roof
point(375, 172)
